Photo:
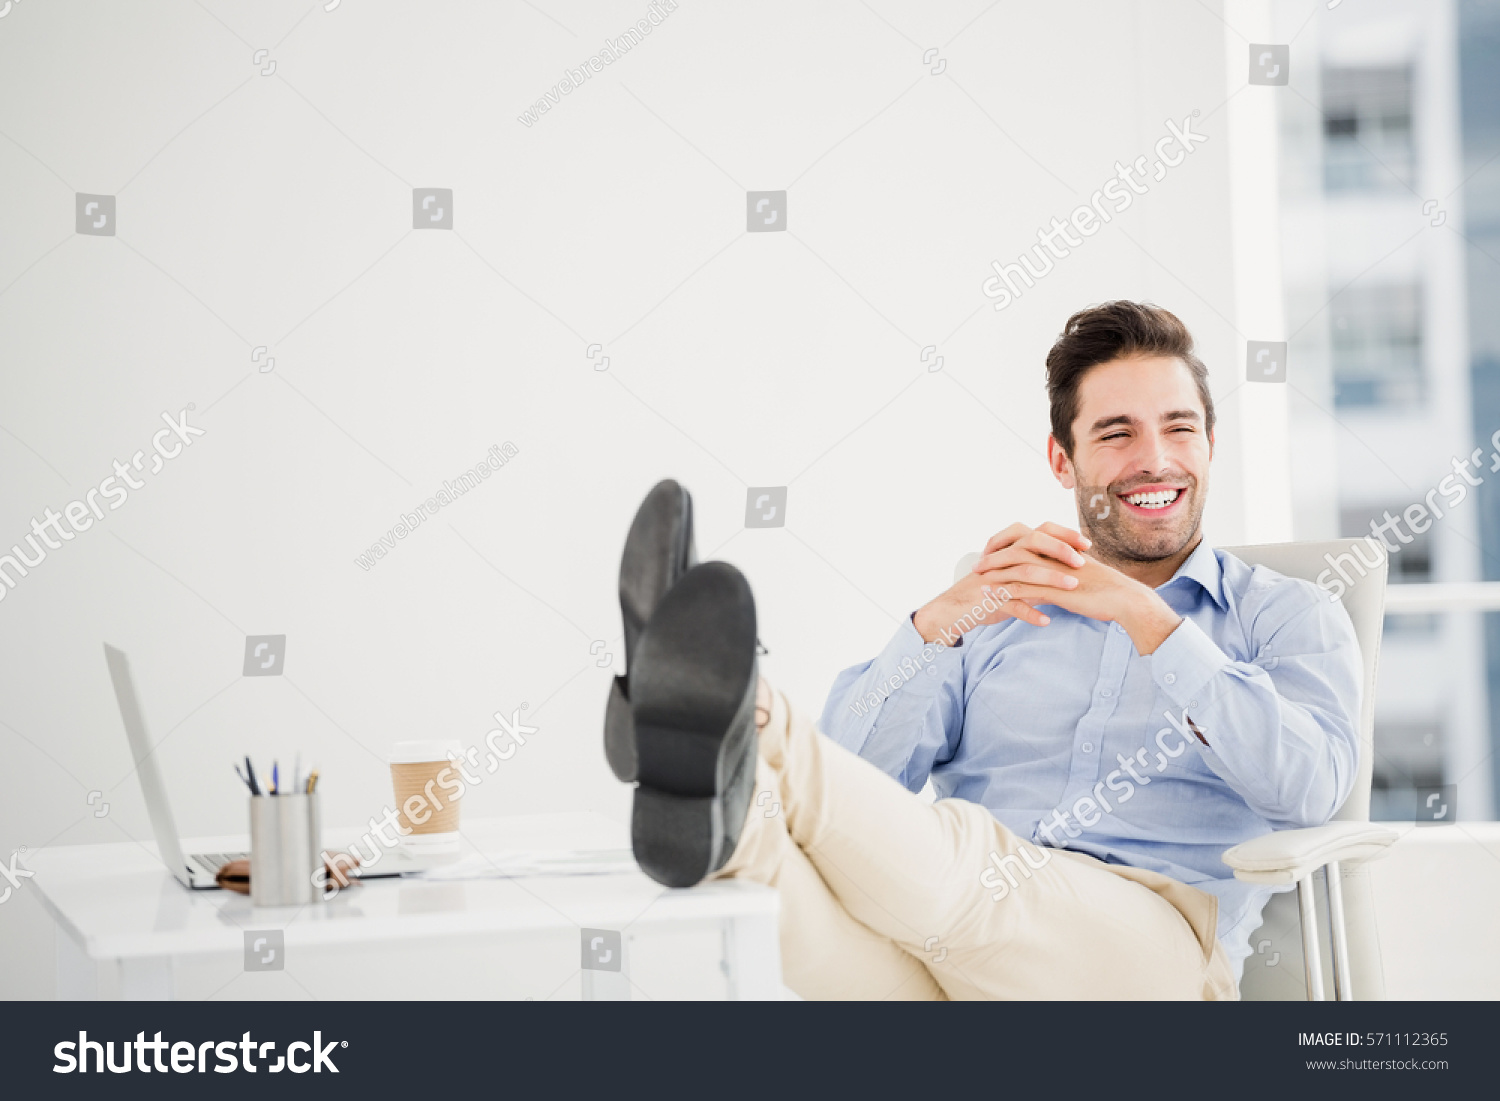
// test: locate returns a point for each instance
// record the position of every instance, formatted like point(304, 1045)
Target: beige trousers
point(884, 895)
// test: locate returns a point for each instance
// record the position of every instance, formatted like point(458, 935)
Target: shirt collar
point(1203, 567)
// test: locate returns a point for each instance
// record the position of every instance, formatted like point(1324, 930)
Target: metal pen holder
point(285, 835)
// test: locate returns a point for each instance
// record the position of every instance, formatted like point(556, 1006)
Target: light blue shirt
point(1071, 738)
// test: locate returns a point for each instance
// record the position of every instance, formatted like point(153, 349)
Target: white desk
point(126, 929)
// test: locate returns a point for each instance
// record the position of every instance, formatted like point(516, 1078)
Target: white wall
point(275, 210)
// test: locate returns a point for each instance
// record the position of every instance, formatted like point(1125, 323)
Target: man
point(1105, 712)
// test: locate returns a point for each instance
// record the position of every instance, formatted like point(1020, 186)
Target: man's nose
point(1151, 454)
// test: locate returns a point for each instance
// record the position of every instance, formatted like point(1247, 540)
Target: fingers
point(1057, 533)
point(1003, 539)
point(1030, 615)
point(1037, 572)
point(1033, 544)
point(1014, 606)
point(1024, 611)
point(1067, 535)
point(1054, 546)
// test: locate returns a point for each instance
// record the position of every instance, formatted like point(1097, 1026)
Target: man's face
point(1139, 467)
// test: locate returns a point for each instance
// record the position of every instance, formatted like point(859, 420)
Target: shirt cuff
point(1184, 664)
point(912, 619)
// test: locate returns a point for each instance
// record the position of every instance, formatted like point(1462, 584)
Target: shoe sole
point(658, 550)
point(692, 693)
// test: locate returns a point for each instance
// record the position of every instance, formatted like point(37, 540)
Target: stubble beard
point(1120, 536)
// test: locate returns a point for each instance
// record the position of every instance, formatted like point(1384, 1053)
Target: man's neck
point(1154, 574)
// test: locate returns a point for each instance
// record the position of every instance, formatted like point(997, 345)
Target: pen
point(275, 778)
point(243, 779)
point(312, 781)
point(254, 784)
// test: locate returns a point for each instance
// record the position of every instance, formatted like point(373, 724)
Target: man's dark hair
point(1115, 330)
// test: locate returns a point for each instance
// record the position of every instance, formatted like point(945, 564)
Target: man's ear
point(1210, 444)
point(1060, 464)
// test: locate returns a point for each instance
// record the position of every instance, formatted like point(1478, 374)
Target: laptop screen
point(152, 787)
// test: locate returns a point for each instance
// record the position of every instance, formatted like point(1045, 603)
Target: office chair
point(1340, 849)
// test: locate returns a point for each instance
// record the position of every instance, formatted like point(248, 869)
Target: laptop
point(195, 870)
point(198, 871)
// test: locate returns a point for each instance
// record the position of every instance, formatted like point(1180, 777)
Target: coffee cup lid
point(421, 750)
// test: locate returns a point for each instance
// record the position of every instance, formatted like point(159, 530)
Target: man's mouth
point(1154, 502)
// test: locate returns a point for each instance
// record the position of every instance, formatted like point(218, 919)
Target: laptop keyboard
point(212, 862)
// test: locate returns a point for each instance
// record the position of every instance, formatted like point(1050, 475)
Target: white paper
point(533, 862)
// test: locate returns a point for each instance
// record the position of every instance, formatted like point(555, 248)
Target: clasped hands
point(1023, 567)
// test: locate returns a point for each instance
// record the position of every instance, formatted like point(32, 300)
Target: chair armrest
point(1285, 856)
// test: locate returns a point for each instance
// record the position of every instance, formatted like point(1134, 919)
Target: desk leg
point(752, 958)
point(82, 978)
point(77, 974)
point(146, 979)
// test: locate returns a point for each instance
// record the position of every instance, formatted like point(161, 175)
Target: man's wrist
point(1148, 620)
point(922, 620)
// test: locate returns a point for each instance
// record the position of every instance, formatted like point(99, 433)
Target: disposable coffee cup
point(427, 787)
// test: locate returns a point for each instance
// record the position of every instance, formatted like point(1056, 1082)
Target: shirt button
point(1107, 692)
point(1192, 703)
point(1170, 678)
point(1120, 628)
point(1088, 747)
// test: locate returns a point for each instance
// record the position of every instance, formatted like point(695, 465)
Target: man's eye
point(1112, 436)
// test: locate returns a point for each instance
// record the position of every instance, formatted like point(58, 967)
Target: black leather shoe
point(658, 551)
point(692, 697)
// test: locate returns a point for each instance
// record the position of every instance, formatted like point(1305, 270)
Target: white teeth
point(1159, 499)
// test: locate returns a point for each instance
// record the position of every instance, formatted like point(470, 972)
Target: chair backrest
point(1363, 598)
point(1275, 970)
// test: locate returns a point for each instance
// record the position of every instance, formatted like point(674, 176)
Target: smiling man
point(1102, 713)
point(1134, 695)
